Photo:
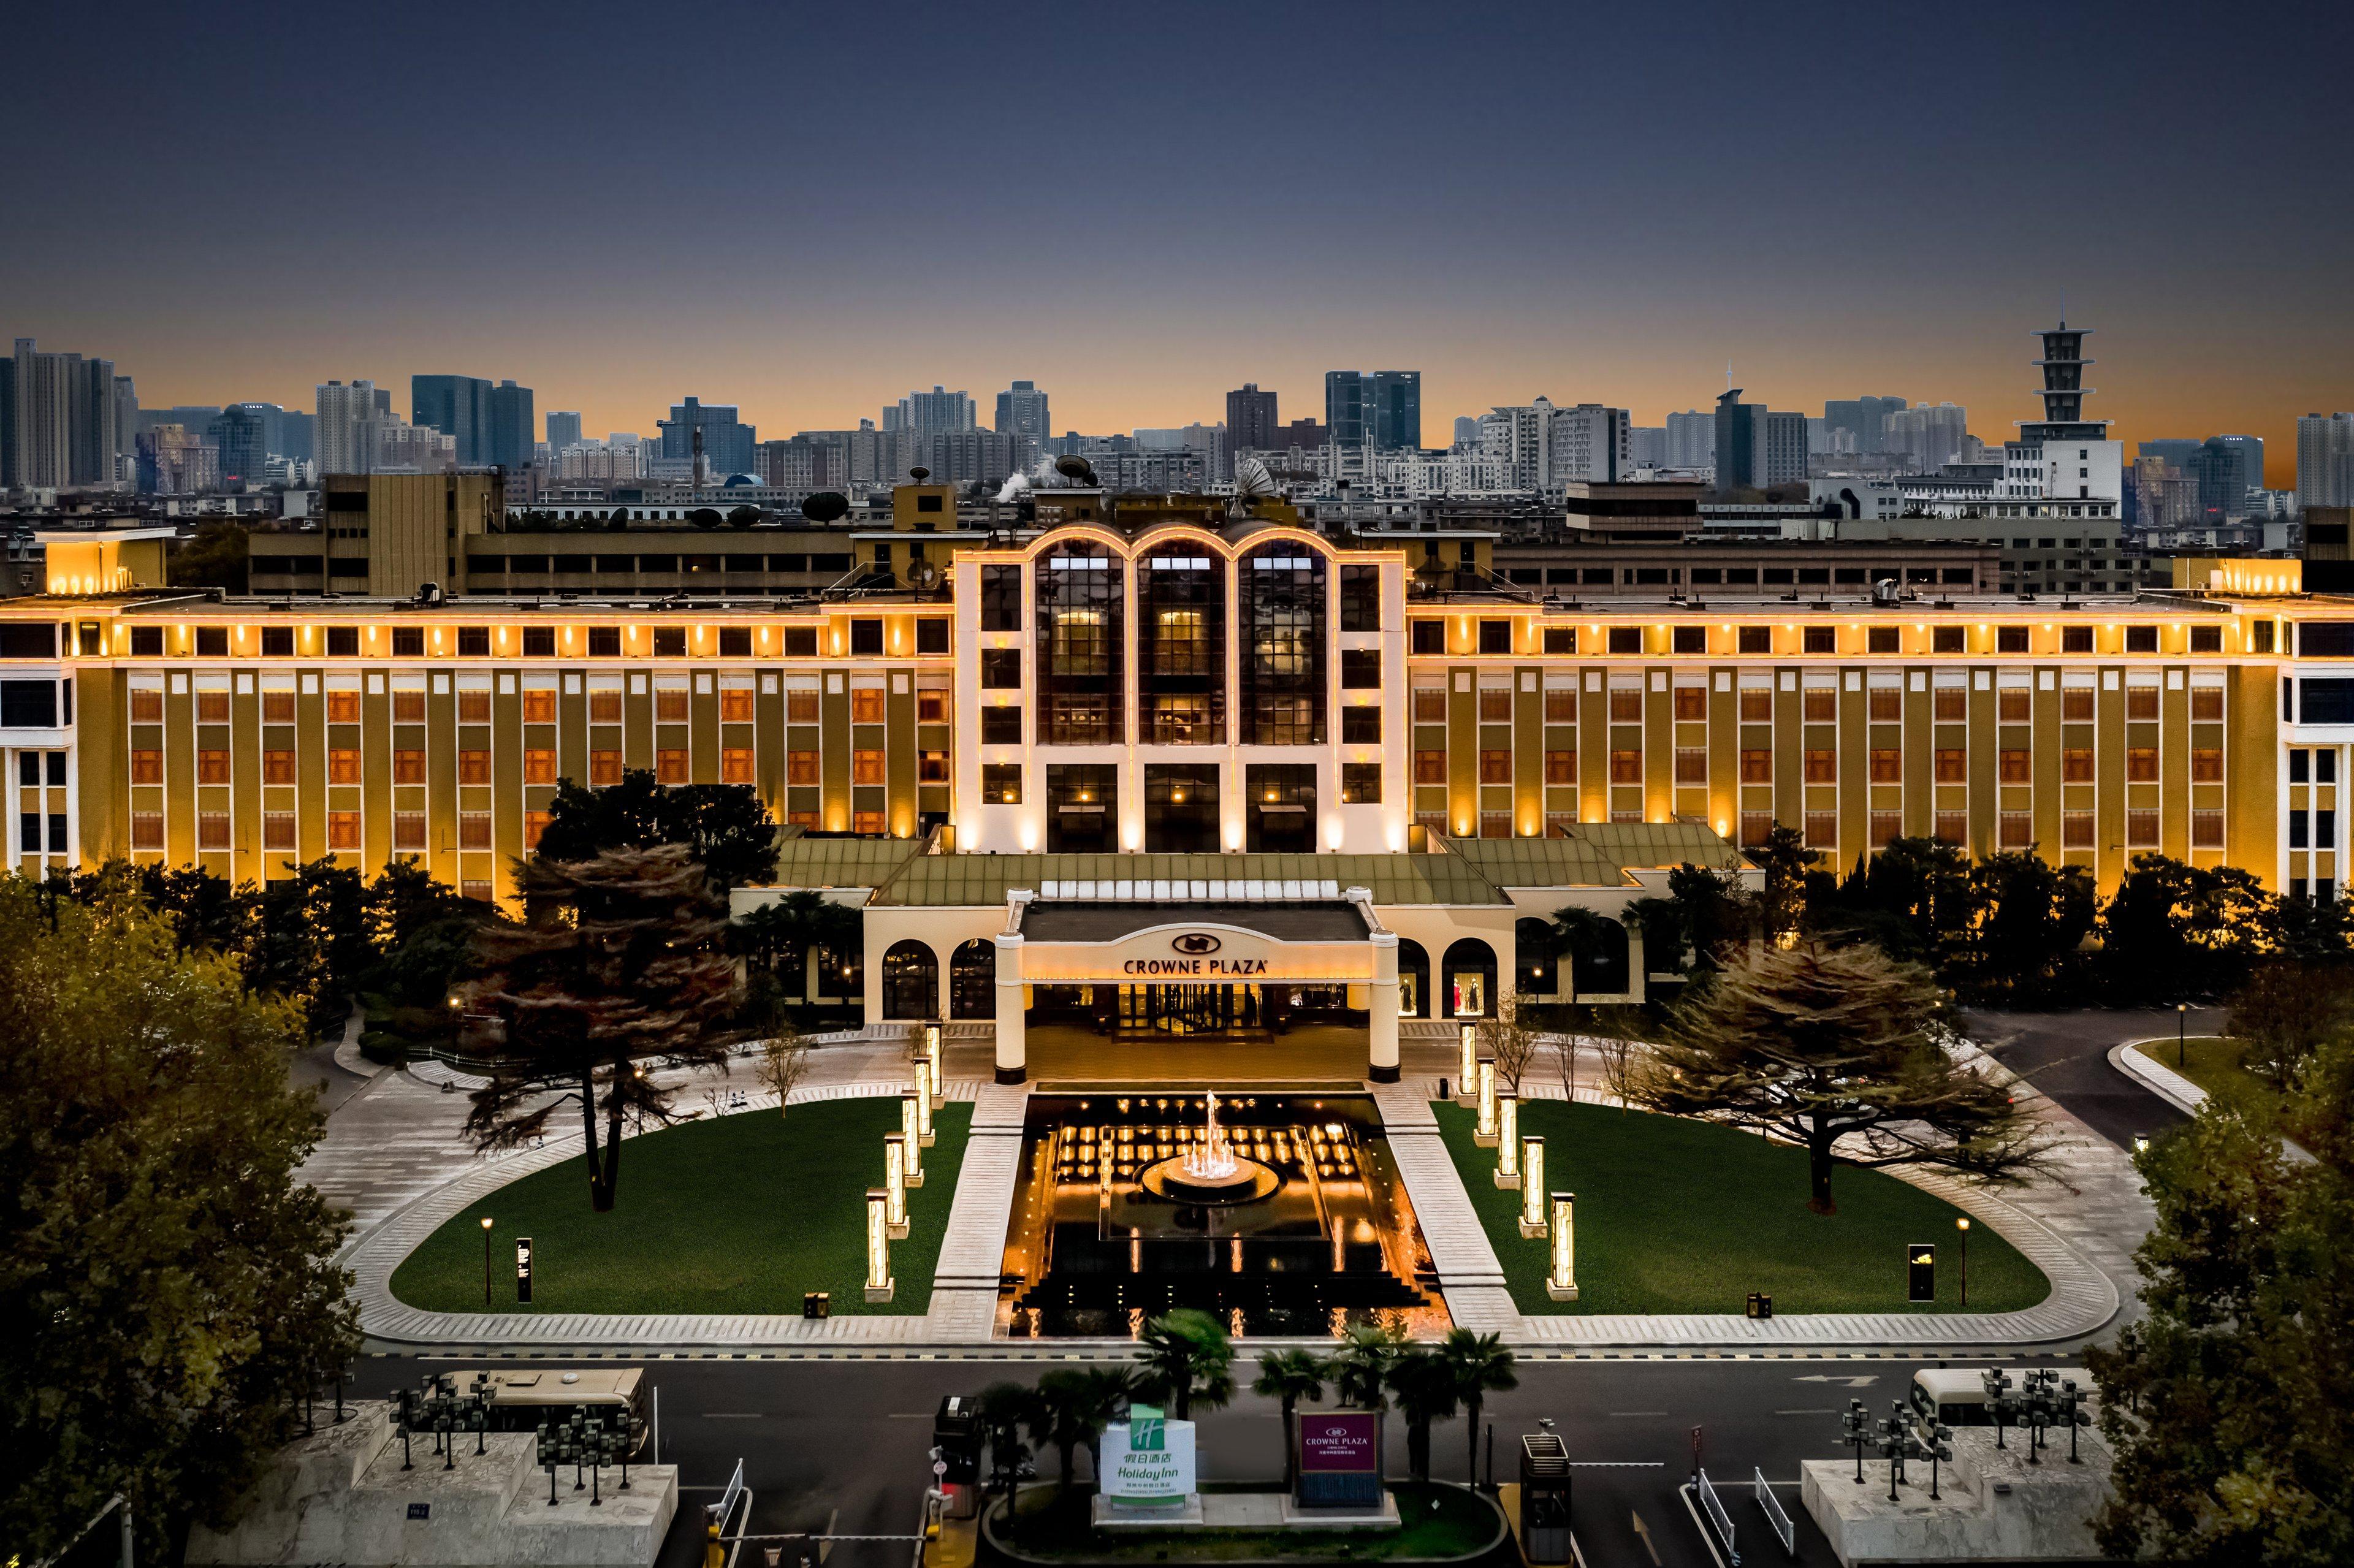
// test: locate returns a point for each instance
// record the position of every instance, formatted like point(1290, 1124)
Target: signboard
point(1921, 1272)
point(1147, 1461)
point(1193, 955)
point(1340, 1458)
point(523, 1269)
point(420, 1510)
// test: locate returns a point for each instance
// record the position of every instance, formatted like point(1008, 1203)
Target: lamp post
point(1507, 1140)
point(932, 1072)
point(1532, 1188)
point(1561, 1283)
point(1466, 1076)
point(878, 1245)
point(2181, 1032)
point(895, 1183)
point(1484, 1135)
point(911, 1139)
point(486, 1260)
point(1962, 1223)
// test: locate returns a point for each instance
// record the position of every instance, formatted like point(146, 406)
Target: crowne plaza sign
point(1198, 954)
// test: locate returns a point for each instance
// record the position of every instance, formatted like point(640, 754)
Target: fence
point(1783, 1531)
point(1713, 1506)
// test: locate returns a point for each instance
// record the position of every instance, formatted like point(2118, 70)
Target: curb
point(2174, 1088)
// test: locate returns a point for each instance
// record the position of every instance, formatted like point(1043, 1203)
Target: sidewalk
point(2175, 1089)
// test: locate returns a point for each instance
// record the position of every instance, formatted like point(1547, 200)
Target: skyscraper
point(2228, 467)
point(345, 435)
point(930, 413)
point(1692, 440)
point(507, 442)
point(44, 407)
point(727, 443)
point(458, 406)
point(2324, 458)
point(1541, 448)
point(1382, 408)
point(562, 430)
point(1861, 417)
point(243, 430)
point(1022, 411)
point(1250, 419)
point(1928, 437)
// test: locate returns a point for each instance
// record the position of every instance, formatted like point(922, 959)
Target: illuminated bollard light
point(1507, 1140)
point(878, 1245)
point(1466, 1077)
point(911, 1137)
point(1484, 1135)
point(1561, 1279)
point(932, 1068)
point(894, 1184)
point(924, 1072)
point(1533, 1176)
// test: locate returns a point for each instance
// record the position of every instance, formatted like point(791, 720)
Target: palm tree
point(1005, 1408)
point(1072, 1406)
point(1481, 1367)
point(1291, 1376)
point(1185, 1357)
point(1424, 1386)
point(1361, 1363)
point(1109, 1392)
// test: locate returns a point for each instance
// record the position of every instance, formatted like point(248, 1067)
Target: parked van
point(1957, 1395)
point(522, 1398)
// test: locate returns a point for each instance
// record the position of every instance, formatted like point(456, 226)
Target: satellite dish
point(1251, 478)
point(924, 575)
point(825, 506)
point(1076, 468)
point(919, 473)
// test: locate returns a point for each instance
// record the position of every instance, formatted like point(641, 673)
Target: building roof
point(803, 861)
point(1595, 854)
point(1323, 921)
point(968, 880)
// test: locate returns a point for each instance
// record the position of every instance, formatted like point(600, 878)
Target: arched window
point(1414, 980)
point(1468, 981)
point(1534, 950)
point(911, 980)
point(1597, 959)
point(972, 979)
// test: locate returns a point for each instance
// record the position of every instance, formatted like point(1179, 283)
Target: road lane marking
point(1826, 1411)
point(1638, 1413)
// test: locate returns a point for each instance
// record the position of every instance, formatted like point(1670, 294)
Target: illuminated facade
point(1176, 691)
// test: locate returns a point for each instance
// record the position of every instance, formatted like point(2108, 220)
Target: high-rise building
point(2227, 468)
point(924, 413)
point(174, 460)
point(2065, 456)
point(1250, 419)
point(2175, 451)
point(1022, 411)
point(1757, 447)
point(241, 433)
point(1305, 434)
point(1647, 446)
point(1692, 440)
point(1541, 448)
point(508, 441)
point(396, 446)
point(457, 405)
point(727, 442)
point(562, 430)
point(348, 414)
point(66, 419)
point(1862, 417)
point(1927, 438)
point(1382, 409)
point(1466, 429)
point(2325, 459)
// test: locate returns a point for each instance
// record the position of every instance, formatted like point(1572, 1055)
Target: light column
point(1532, 1188)
point(911, 1137)
point(1467, 1075)
point(1561, 1279)
point(1507, 1140)
point(1484, 1135)
point(1381, 1011)
point(1013, 1054)
point(894, 1184)
point(932, 1091)
point(878, 1245)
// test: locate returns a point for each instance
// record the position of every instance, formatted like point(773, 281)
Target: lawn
point(2212, 1062)
point(1434, 1521)
point(741, 1213)
point(1676, 1216)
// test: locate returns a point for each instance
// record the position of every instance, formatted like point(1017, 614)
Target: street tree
point(619, 967)
point(2030, 920)
point(1480, 1366)
point(2287, 1010)
point(2174, 931)
point(724, 826)
point(1509, 1041)
point(1288, 1377)
point(167, 1293)
point(1360, 1366)
point(310, 939)
point(784, 1062)
point(1842, 1052)
point(1070, 1409)
point(1422, 1384)
point(1911, 898)
point(1786, 860)
point(2228, 1411)
point(1185, 1358)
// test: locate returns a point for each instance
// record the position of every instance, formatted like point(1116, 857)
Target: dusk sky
point(809, 210)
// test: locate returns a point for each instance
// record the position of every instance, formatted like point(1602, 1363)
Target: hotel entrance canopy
point(1319, 943)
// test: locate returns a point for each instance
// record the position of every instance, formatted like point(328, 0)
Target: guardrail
point(1779, 1521)
point(1713, 1506)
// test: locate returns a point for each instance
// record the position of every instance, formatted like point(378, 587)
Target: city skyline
point(817, 298)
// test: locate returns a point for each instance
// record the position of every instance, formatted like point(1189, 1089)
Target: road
point(845, 1443)
point(2066, 1054)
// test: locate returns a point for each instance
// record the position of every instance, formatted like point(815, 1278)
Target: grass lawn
point(740, 1213)
point(2212, 1062)
point(1676, 1216)
point(1434, 1521)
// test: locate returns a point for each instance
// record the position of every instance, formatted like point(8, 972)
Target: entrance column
point(1381, 1011)
point(1013, 1046)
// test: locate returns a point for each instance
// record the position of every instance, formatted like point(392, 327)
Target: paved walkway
point(2141, 1060)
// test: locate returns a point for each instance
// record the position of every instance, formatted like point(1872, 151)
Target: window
point(1948, 640)
point(1819, 704)
point(1495, 705)
point(670, 704)
point(1361, 600)
point(408, 643)
point(146, 642)
point(931, 767)
point(2076, 703)
point(1625, 704)
point(2014, 831)
point(1360, 783)
point(2207, 828)
point(670, 641)
point(343, 642)
point(1691, 639)
point(1430, 767)
point(1361, 669)
point(212, 707)
point(2206, 640)
point(1884, 704)
point(2012, 704)
point(408, 830)
point(2012, 766)
point(1626, 767)
point(1495, 824)
point(2010, 639)
point(473, 767)
point(2141, 639)
point(1626, 639)
point(1691, 703)
point(1001, 669)
point(931, 706)
point(344, 766)
point(1952, 765)
point(801, 705)
point(147, 765)
point(2141, 827)
point(1884, 826)
point(1560, 704)
point(2207, 765)
point(1756, 766)
point(1561, 639)
point(212, 831)
point(2141, 764)
point(604, 643)
point(1361, 726)
point(866, 704)
point(1429, 636)
point(408, 707)
point(539, 643)
point(2077, 830)
point(800, 768)
point(473, 830)
point(1887, 765)
point(1495, 636)
point(343, 830)
point(1692, 765)
point(866, 767)
point(2141, 701)
point(1822, 766)
point(1495, 767)
point(671, 767)
point(474, 643)
point(735, 765)
point(212, 642)
point(1819, 639)
point(277, 830)
point(1756, 704)
point(865, 636)
point(1882, 640)
point(735, 705)
point(146, 706)
point(1756, 640)
point(800, 641)
point(605, 704)
point(408, 766)
point(539, 765)
point(1822, 829)
point(1001, 726)
point(1001, 783)
point(1430, 704)
point(1757, 827)
point(604, 768)
point(1949, 704)
point(1952, 827)
point(2077, 765)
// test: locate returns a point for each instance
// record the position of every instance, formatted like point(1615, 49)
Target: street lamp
point(895, 1183)
point(1560, 1284)
point(2181, 1032)
point(911, 1139)
point(1962, 1223)
point(1507, 1140)
point(1485, 1133)
point(878, 1245)
point(2141, 1143)
point(1467, 1074)
point(486, 1260)
point(1532, 1188)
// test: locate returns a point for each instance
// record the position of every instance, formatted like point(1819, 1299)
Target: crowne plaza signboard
point(1197, 955)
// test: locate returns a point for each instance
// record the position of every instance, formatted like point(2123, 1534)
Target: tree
point(2030, 922)
point(1911, 900)
point(1004, 1409)
point(310, 939)
point(1592, 940)
point(406, 899)
point(168, 1291)
point(1510, 1042)
point(214, 556)
point(780, 936)
point(2174, 931)
point(1822, 1044)
point(2286, 1010)
point(729, 830)
point(1288, 1377)
point(620, 963)
point(1185, 1358)
point(1109, 1390)
point(1705, 915)
point(1360, 1367)
point(1784, 858)
point(1480, 1366)
point(1072, 1405)
point(1423, 1384)
point(784, 1062)
point(2228, 1412)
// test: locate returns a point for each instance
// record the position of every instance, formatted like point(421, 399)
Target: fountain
point(1210, 1172)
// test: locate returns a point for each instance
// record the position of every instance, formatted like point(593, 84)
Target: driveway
point(2065, 1055)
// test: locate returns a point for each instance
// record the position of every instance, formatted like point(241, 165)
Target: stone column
point(1382, 1015)
point(1013, 1046)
